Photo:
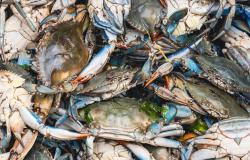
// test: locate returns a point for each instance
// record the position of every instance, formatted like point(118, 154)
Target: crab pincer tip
point(153, 77)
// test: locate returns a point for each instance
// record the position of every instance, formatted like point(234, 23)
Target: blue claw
point(184, 51)
point(170, 113)
point(176, 110)
point(4, 140)
point(192, 67)
point(154, 128)
point(241, 25)
point(243, 12)
point(81, 103)
point(174, 20)
point(96, 64)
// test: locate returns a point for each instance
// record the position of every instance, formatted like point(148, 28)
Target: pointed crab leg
point(21, 149)
point(23, 14)
point(34, 122)
point(28, 140)
point(2, 26)
point(166, 94)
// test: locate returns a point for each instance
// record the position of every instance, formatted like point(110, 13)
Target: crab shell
point(146, 15)
point(229, 137)
point(119, 114)
point(214, 101)
point(108, 150)
point(62, 54)
point(224, 73)
point(109, 81)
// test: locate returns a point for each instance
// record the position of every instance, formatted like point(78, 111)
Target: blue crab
point(122, 119)
point(201, 97)
point(103, 86)
point(16, 111)
point(224, 73)
point(109, 15)
point(227, 138)
point(62, 53)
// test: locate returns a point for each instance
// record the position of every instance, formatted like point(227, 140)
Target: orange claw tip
point(83, 136)
point(153, 77)
point(187, 137)
point(76, 80)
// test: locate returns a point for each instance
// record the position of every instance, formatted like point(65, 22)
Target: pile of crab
point(124, 79)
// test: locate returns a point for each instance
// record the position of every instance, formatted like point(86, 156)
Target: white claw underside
point(33, 121)
point(139, 151)
point(17, 34)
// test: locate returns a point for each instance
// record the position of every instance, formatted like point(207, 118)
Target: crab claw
point(34, 122)
point(168, 67)
point(96, 64)
point(164, 69)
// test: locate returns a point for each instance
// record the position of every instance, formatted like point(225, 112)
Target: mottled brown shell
point(62, 54)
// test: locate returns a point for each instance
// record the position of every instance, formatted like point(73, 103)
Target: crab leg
point(21, 149)
point(166, 68)
point(139, 151)
point(23, 14)
point(164, 142)
point(171, 133)
point(90, 146)
point(171, 127)
point(96, 64)
point(229, 19)
point(33, 121)
point(208, 154)
point(2, 27)
point(217, 17)
point(84, 101)
point(35, 2)
point(166, 94)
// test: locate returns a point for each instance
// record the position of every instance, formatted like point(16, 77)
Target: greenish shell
point(119, 113)
point(224, 73)
point(215, 101)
